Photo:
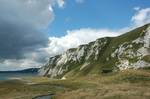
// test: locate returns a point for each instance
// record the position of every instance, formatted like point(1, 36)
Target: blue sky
point(112, 14)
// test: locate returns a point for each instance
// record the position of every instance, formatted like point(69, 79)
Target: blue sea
point(8, 76)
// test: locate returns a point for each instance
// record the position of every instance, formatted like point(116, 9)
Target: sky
point(112, 14)
point(31, 31)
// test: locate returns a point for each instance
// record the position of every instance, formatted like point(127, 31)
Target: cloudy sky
point(31, 31)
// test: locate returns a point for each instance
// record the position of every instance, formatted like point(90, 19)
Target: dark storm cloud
point(21, 24)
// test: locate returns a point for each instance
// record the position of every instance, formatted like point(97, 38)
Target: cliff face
point(72, 58)
point(130, 50)
point(134, 54)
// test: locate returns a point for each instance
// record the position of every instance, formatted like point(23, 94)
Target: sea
point(9, 76)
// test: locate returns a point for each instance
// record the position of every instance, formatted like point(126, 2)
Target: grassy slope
point(129, 84)
point(97, 67)
point(127, 37)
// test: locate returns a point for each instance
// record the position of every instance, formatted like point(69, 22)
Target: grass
point(129, 84)
point(147, 58)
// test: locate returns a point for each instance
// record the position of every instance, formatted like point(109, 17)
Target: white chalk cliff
point(128, 51)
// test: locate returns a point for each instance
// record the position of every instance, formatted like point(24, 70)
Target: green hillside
point(109, 54)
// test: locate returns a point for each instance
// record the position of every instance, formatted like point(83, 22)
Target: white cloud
point(61, 3)
point(75, 38)
point(31, 60)
point(50, 8)
point(37, 13)
point(15, 64)
point(141, 17)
